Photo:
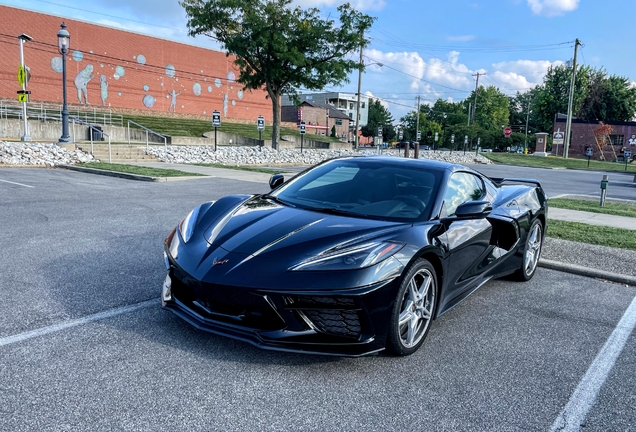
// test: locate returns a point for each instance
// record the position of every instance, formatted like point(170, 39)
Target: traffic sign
point(380, 131)
point(302, 127)
point(419, 135)
point(23, 95)
point(21, 76)
point(401, 135)
point(260, 123)
point(216, 119)
point(628, 154)
point(453, 139)
point(436, 136)
point(558, 138)
point(430, 134)
point(465, 139)
point(507, 132)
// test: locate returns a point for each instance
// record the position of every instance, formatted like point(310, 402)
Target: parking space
point(508, 358)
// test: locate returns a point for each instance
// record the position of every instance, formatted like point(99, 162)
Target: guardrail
point(92, 128)
point(53, 112)
point(165, 140)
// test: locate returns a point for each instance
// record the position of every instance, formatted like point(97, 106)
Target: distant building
point(622, 136)
point(344, 102)
point(319, 118)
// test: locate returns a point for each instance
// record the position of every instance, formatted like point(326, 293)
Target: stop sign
point(507, 132)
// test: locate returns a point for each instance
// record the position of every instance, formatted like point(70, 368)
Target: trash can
point(97, 132)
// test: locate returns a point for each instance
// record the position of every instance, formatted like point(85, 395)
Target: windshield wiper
point(277, 200)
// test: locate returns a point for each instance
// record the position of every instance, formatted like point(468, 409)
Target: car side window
point(462, 187)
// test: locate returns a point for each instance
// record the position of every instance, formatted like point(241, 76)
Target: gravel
point(43, 154)
point(619, 261)
point(268, 156)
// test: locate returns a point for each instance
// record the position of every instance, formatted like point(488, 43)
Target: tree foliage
point(379, 116)
point(280, 47)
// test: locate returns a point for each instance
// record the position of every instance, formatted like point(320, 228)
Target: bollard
point(416, 153)
point(406, 148)
point(604, 183)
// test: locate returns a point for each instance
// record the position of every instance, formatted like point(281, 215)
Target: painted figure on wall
point(103, 88)
point(81, 81)
point(173, 102)
point(225, 105)
point(632, 140)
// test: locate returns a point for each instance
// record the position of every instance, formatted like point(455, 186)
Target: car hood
point(262, 227)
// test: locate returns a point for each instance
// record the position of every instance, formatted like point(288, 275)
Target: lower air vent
point(345, 323)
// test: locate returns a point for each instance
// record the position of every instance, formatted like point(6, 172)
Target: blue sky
point(429, 48)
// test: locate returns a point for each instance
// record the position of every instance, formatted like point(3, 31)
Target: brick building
point(623, 136)
point(108, 67)
point(319, 118)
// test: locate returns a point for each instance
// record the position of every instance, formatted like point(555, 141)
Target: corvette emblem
point(216, 263)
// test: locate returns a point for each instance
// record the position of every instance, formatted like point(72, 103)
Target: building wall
point(583, 136)
point(109, 67)
point(344, 102)
point(315, 119)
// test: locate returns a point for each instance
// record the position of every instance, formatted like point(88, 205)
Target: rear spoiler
point(501, 181)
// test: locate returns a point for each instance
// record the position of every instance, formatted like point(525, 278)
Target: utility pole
point(359, 90)
point(416, 150)
point(525, 147)
point(568, 125)
point(476, 91)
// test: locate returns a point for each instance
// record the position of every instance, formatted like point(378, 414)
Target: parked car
point(353, 256)
point(424, 147)
point(404, 143)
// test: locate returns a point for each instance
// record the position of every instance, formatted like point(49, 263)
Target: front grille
point(337, 322)
point(231, 305)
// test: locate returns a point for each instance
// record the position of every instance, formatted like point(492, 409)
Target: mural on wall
point(173, 102)
point(81, 81)
point(632, 140)
point(225, 104)
point(103, 89)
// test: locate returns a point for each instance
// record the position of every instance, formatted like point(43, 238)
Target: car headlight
point(186, 227)
point(352, 258)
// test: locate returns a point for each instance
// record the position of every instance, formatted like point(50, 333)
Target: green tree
point(379, 116)
point(492, 108)
point(280, 47)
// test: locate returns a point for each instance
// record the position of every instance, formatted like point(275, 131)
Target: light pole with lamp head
point(358, 103)
point(444, 130)
point(63, 45)
point(24, 82)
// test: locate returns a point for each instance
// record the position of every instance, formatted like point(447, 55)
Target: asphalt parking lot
point(84, 344)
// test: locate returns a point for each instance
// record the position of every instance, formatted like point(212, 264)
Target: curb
point(129, 176)
point(585, 271)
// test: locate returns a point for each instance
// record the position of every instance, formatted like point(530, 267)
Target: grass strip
point(592, 234)
point(139, 170)
point(558, 162)
point(617, 209)
point(241, 168)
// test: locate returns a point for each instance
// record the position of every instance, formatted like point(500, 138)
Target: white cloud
point(465, 38)
point(356, 4)
point(520, 75)
point(552, 8)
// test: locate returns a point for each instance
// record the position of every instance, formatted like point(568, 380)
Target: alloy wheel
point(417, 308)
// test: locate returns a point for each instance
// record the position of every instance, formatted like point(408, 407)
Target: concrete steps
point(119, 153)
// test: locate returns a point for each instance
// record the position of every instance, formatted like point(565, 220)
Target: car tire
point(414, 309)
point(531, 252)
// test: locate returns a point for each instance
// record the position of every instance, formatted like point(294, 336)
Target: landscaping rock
point(39, 154)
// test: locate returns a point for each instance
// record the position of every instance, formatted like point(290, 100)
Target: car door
point(468, 240)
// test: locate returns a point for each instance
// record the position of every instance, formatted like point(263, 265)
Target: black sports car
point(353, 256)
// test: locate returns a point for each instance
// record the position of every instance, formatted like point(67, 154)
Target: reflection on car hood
point(261, 227)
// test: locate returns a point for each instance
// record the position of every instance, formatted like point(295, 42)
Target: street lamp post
point(63, 44)
point(357, 143)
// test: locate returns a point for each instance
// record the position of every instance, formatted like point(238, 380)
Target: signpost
point(452, 143)
point(436, 139)
point(216, 122)
point(419, 135)
point(380, 131)
point(507, 132)
point(557, 139)
point(465, 142)
point(588, 154)
point(401, 135)
point(260, 125)
point(23, 81)
point(302, 135)
point(627, 154)
point(478, 144)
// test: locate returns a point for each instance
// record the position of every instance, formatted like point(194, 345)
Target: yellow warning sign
point(23, 97)
point(21, 75)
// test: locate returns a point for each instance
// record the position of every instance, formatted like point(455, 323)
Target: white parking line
point(585, 394)
point(76, 322)
point(19, 184)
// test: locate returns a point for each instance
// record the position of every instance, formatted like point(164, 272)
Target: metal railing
point(165, 140)
point(92, 128)
point(47, 112)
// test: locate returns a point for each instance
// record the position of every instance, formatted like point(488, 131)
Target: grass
point(558, 162)
point(196, 128)
point(628, 210)
point(139, 170)
point(591, 234)
point(241, 168)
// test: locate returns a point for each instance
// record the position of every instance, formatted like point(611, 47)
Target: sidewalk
point(226, 173)
point(590, 218)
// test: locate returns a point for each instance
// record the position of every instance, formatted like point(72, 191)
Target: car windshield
point(363, 187)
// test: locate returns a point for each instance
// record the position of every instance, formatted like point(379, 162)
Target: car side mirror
point(276, 180)
point(473, 209)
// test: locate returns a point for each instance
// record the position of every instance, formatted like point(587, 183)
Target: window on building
point(362, 104)
point(617, 140)
point(351, 116)
point(338, 122)
point(350, 105)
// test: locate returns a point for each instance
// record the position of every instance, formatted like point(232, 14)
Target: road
point(84, 344)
